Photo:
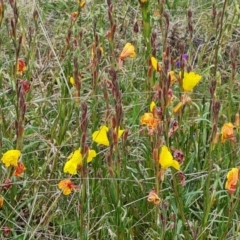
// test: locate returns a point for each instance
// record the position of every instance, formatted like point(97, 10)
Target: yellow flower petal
point(72, 81)
point(100, 136)
point(11, 158)
point(152, 105)
point(190, 80)
point(91, 155)
point(166, 159)
point(70, 167)
point(128, 51)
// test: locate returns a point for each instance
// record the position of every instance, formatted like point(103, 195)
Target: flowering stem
point(180, 205)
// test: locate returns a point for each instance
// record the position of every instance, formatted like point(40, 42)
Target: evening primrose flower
point(227, 132)
point(166, 159)
point(155, 64)
point(81, 3)
point(21, 66)
point(66, 185)
point(232, 179)
point(153, 197)
point(72, 81)
point(172, 77)
point(101, 137)
point(10, 158)
point(19, 170)
point(128, 51)
point(190, 80)
point(75, 160)
point(149, 120)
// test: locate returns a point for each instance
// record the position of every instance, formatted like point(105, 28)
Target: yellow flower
point(149, 120)
point(227, 132)
point(155, 64)
point(172, 76)
point(81, 3)
point(152, 106)
point(1, 201)
point(11, 158)
point(190, 80)
point(66, 185)
point(72, 81)
point(75, 160)
point(100, 136)
point(166, 159)
point(232, 179)
point(128, 51)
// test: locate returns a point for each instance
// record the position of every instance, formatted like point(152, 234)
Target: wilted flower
point(227, 132)
point(6, 231)
point(75, 160)
point(101, 137)
point(153, 197)
point(190, 80)
point(178, 155)
point(232, 179)
point(172, 77)
point(11, 157)
point(74, 16)
point(25, 85)
point(1, 201)
point(66, 185)
point(184, 100)
point(128, 51)
point(166, 159)
point(19, 169)
point(7, 184)
point(21, 66)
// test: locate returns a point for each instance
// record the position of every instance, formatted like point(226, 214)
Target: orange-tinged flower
point(21, 66)
point(75, 160)
point(172, 76)
point(227, 132)
point(19, 170)
point(101, 137)
point(153, 197)
point(166, 159)
point(190, 80)
point(232, 179)
point(66, 185)
point(149, 120)
point(1, 201)
point(10, 158)
point(128, 51)
point(74, 16)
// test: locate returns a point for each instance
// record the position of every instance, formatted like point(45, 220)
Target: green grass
point(111, 201)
